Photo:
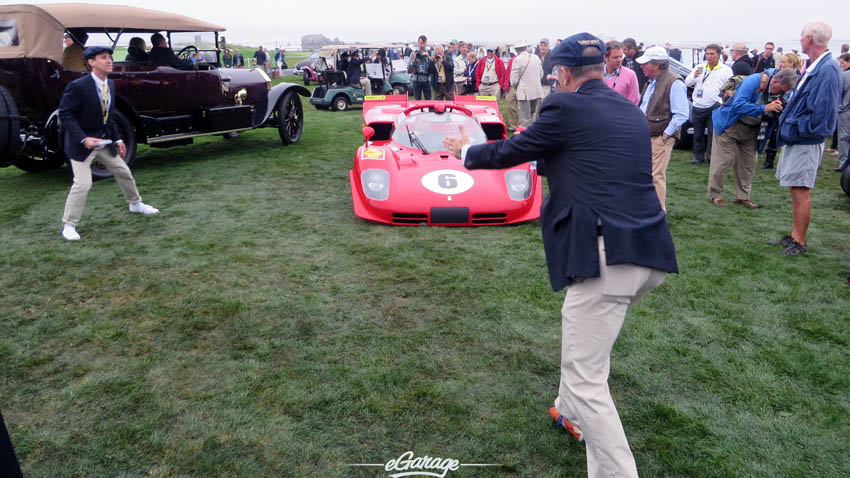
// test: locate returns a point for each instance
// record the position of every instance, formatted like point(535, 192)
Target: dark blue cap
point(93, 51)
point(568, 53)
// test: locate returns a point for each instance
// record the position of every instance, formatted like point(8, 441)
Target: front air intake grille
point(491, 218)
point(407, 218)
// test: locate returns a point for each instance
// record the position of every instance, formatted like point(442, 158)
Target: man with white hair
point(809, 118)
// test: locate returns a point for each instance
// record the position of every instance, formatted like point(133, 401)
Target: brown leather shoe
point(748, 203)
point(718, 202)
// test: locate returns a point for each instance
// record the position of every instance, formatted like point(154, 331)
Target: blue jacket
point(81, 116)
point(595, 148)
point(742, 104)
point(812, 114)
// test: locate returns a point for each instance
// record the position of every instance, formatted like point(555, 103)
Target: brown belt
point(488, 84)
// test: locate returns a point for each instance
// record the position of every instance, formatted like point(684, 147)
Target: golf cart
point(334, 90)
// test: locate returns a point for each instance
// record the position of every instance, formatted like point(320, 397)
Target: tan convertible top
point(39, 28)
point(117, 17)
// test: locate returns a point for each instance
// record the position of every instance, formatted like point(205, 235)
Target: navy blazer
point(81, 116)
point(595, 149)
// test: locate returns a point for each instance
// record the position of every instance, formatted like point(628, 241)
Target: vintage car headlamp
point(519, 184)
point(376, 184)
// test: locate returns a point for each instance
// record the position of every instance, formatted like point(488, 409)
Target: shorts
point(798, 165)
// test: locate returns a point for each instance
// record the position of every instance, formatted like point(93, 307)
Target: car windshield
point(203, 41)
point(425, 130)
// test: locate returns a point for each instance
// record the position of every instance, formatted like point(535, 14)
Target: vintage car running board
point(175, 137)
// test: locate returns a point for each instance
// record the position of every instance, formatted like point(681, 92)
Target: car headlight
point(519, 184)
point(376, 184)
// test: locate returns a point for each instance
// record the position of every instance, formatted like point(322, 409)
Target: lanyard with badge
point(702, 82)
point(616, 78)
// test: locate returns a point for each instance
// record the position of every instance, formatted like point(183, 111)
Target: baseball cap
point(568, 53)
point(653, 53)
point(93, 51)
point(453, 42)
point(544, 40)
point(491, 48)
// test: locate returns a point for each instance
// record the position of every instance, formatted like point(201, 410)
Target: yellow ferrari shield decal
point(373, 154)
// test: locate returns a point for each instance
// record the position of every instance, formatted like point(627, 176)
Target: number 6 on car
point(402, 174)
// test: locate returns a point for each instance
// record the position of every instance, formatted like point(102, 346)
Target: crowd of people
point(736, 91)
point(604, 224)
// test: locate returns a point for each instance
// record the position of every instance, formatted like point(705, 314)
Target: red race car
point(403, 176)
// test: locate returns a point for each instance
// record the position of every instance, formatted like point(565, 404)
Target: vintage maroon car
point(156, 105)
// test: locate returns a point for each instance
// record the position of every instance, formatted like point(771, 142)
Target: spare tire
point(10, 128)
point(845, 181)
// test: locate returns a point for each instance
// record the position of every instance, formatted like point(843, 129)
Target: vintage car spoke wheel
point(340, 103)
point(845, 181)
point(290, 118)
point(10, 129)
point(306, 78)
point(128, 134)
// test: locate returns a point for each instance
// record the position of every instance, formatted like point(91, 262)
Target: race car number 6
point(447, 181)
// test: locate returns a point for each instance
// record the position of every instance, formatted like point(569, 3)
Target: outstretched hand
point(454, 144)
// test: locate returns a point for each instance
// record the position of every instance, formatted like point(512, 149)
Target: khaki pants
point(443, 92)
point(736, 147)
point(591, 318)
point(661, 151)
point(511, 111)
point(76, 202)
point(366, 85)
point(490, 90)
point(528, 111)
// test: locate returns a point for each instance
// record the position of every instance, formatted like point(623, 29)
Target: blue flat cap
point(568, 53)
point(93, 51)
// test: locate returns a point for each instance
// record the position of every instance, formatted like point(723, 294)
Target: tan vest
point(658, 112)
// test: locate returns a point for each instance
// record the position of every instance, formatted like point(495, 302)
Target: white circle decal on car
point(447, 181)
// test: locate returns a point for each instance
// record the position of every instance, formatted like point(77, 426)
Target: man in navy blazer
point(604, 233)
point(86, 113)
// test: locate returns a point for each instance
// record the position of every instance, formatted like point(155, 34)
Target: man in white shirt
point(706, 79)
point(526, 72)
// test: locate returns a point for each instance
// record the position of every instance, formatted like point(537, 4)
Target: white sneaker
point(70, 233)
point(142, 208)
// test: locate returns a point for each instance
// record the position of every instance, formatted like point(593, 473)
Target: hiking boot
point(795, 249)
point(784, 242)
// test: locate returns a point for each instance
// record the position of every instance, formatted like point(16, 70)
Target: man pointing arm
point(604, 233)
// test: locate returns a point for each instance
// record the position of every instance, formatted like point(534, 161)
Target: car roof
point(40, 27)
point(330, 50)
point(118, 17)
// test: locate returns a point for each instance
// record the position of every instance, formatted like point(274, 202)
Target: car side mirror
point(368, 132)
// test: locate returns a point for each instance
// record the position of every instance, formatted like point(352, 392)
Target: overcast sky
point(650, 21)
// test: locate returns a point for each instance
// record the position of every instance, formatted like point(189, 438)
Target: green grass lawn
point(257, 328)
